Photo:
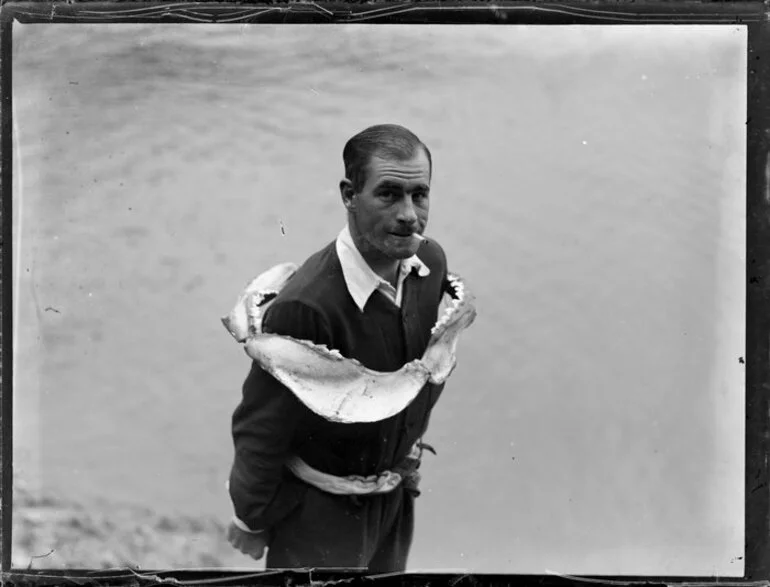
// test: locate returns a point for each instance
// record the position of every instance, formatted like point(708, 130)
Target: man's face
point(392, 205)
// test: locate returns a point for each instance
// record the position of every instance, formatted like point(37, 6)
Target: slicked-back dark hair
point(389, 141)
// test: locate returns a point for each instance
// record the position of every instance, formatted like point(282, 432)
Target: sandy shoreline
point(49, 533)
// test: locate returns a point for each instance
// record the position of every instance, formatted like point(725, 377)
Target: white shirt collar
point(362, 281)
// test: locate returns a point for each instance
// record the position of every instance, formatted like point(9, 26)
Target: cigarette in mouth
point(419, 237)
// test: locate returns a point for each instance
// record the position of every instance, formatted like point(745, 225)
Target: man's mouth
point(410, 238)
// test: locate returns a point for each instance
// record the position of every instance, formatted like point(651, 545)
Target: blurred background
point(588, 184)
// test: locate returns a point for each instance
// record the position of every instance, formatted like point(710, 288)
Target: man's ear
point(347, 192)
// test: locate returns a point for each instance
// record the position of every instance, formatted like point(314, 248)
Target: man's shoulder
point(305, 306)
point(316, 282)
point(432, 254)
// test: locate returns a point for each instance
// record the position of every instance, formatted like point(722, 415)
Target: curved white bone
point(337, 388)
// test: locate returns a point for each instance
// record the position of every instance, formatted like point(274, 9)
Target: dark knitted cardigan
point(270, 423)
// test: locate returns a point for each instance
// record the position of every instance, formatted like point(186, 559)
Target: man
point(372, 294)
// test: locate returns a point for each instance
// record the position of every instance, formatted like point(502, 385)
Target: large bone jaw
point(335, 387)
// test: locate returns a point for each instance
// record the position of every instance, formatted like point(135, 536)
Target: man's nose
point(406, 212)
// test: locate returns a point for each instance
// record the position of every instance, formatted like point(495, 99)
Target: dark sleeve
point(265, 421)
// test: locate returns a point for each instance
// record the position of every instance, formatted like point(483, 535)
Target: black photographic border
point(755, 15)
